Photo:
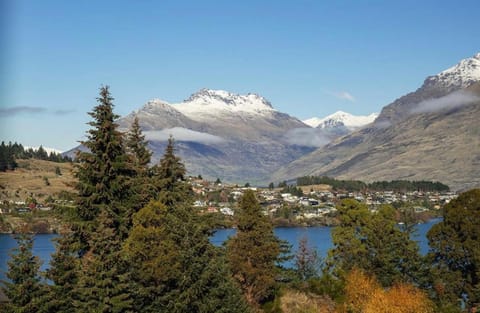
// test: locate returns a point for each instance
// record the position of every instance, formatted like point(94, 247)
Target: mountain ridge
point(431, 133)
point(221, 134)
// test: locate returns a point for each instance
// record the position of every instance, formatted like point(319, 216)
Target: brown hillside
point(30, 179)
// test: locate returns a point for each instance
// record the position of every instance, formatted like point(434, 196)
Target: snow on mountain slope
point(208, 104)
point(462, 75)
point(341, 118)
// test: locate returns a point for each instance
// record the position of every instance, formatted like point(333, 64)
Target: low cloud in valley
point(308, 137)
point(451, 101)
point(182, 134)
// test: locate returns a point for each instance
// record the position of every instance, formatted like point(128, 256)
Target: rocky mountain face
point(430, 134)
point(237, 138)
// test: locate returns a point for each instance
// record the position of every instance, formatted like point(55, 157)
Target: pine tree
point(169, 178)
point(137, 147)
point(182, 272)
point(102, 172)
point(87, 268)
point(64, 275)
point(253, 251)
point(103, 279)
point(24, 290)
point(139, 155)
point(41, 153)
point(7, 157)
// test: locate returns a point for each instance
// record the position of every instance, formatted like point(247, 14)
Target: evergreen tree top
point(137, 146)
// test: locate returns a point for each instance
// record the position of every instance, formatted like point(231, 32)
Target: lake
point(318, 238)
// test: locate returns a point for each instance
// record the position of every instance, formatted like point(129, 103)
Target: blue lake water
point(43, 247)
point(318, 238)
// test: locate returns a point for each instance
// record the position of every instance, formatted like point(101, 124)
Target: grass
point(37, 179)
point(299, 302)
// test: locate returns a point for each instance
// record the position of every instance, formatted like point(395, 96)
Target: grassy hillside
point(36, 178)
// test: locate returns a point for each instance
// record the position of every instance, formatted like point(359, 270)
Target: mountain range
point(429, 134)
point(432, 133)
point(234, 137)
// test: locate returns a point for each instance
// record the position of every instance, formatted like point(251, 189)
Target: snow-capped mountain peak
point(210, 103)
point(155, 106)
point(341, 118)
point(209, 95)
point(461, 75)
point(153, 103)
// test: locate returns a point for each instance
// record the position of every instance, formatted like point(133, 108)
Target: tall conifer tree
point(137, 147)
point(87, 267)
point(169, 178)
point(142, 189)
point(182, 272)
point(102, 171)
point(253, 251)
point(24, 289)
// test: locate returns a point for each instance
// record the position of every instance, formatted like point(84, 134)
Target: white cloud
point(453, 100)
point(23, 109)
point(308, 137)
point(17, 110)
point(343, 95)
point(182, 134)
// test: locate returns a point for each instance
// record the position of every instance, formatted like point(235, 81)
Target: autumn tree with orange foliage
point(401, 298)
point(364, 294)
point(359, 288)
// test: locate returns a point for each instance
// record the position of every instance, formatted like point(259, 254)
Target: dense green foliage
point(183, 272)
point(103, 284)
point(253, 251)
point(24, 289)
point(455, 250)
point(103, 172)
point(140, 184)
point(169, 178)
point(356, 185)
point(7, 156)
point(406, 185)
point(63, 273)
point(135, 244)
point(373, 242)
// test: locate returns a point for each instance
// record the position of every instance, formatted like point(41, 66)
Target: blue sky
point(309, 58)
